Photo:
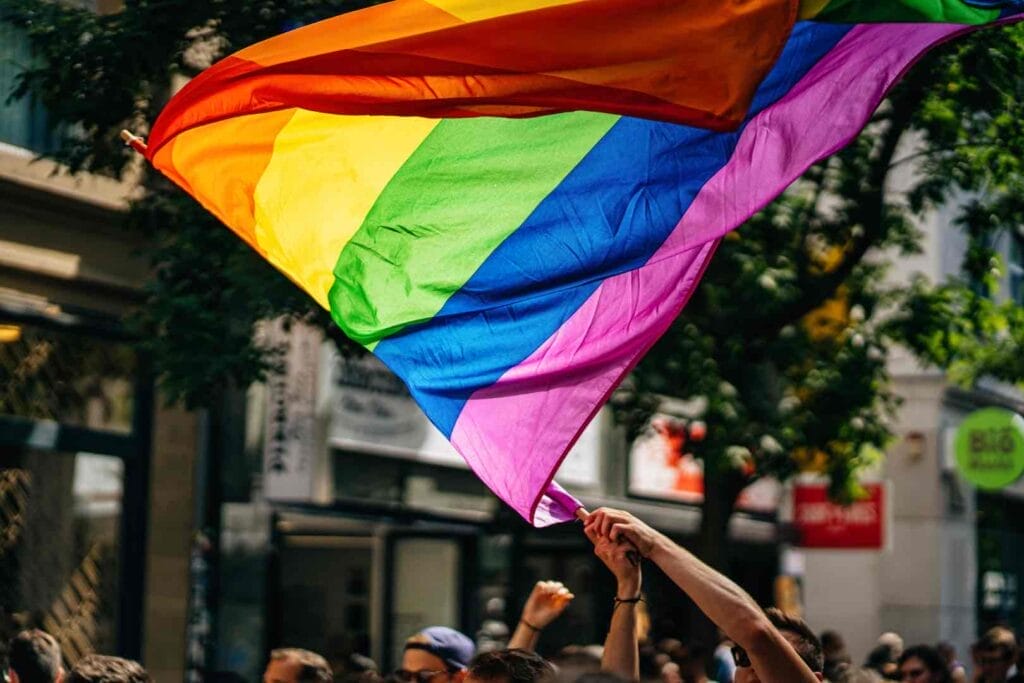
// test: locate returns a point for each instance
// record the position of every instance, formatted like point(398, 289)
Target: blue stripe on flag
point(607, 217)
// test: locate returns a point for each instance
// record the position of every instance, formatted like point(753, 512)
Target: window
point(23, 122)
point(60, 518)
point(67, 377)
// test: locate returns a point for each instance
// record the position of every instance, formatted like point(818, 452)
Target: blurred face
point(419, 666)
point(914, 671)
point(282, 671)
point(994, 665)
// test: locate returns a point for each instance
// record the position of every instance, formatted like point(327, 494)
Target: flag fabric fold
point(512, 270)
point(696, 62)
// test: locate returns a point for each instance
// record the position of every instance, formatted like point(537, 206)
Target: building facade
point(949, 567)
point(95, 471)
point(348, 523)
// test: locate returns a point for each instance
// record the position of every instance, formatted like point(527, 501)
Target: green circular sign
point(990, 448)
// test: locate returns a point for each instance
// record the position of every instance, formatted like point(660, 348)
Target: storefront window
point(1000, 565)
point(326, 594)
point(60, 518)
point(66, 377)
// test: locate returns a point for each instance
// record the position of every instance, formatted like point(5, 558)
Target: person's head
point(923, 664)
point(995, 653)
point(295, 665)
point(436, 655)
point(852, 675)
point(509, 666)
point(107, 669)
point(947, 651)
point(883, 659)
point(832, 644)
point(894, 641)
point(693, 665)
point(34, 657)
point(798, 634)
point(671, 672)
point(575, 661)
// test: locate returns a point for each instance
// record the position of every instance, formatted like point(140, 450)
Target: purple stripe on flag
point(515, 433)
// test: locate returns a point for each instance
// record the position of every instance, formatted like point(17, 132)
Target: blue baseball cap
point(453, 648)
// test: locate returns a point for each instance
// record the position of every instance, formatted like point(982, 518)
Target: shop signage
point(290, 439)
point(989, 448)
point(820, 523)
point(661, 466)
point(371, 411)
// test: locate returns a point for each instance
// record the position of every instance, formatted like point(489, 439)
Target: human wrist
point(660, 545)
point(628, 587)
point(532, 624)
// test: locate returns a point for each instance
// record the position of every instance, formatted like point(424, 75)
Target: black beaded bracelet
point(628, 601)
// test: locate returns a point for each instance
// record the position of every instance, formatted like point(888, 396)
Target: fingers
point(621, 531)
point(604, 518)
point(554, 590)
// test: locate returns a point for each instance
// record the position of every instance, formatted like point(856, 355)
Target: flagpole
point(133, 141)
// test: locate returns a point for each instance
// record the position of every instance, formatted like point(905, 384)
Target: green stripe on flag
point(870, 11)
point(465, 189)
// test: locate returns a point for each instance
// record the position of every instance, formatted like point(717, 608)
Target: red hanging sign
point(821, 523)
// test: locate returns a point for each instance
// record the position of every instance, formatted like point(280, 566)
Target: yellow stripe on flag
point(811, 8)
point(324, 176)
point(478, 10)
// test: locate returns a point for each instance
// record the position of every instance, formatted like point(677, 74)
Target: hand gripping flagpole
point(633, 555)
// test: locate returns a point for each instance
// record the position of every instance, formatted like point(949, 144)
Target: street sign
point(989, 447)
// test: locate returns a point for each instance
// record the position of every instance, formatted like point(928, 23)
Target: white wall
point(922, 584)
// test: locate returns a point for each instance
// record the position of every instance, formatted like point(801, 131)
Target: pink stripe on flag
point(515, 433)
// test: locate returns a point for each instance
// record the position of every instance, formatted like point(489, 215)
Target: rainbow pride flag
point(509, 202)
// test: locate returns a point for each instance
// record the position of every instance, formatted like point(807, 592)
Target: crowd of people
point(757, 646)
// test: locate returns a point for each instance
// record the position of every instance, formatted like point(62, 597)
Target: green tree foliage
point(785, 344)
point(97, 74)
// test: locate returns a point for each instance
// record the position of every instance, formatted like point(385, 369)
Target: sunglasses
point(425, 676)
point(739, 656)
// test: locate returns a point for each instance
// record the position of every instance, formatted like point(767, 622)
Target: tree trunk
point(722, 487)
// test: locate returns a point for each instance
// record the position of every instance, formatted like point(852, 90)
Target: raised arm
point(546, 602)
point(621, 653)
point(725, 603)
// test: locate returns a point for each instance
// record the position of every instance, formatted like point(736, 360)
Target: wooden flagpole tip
point(136, 143)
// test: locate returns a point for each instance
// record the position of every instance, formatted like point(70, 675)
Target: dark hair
point(998, 638)
point(35, 656)
point(947, 651)
point(879, 656)
point(313, 668)
point(931, 659)
point(106, 669)
point(807, 645)
point(832, 641)
point(513, 666)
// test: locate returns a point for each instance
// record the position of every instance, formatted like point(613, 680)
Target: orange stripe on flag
point(224, 161)
point(696, 62)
